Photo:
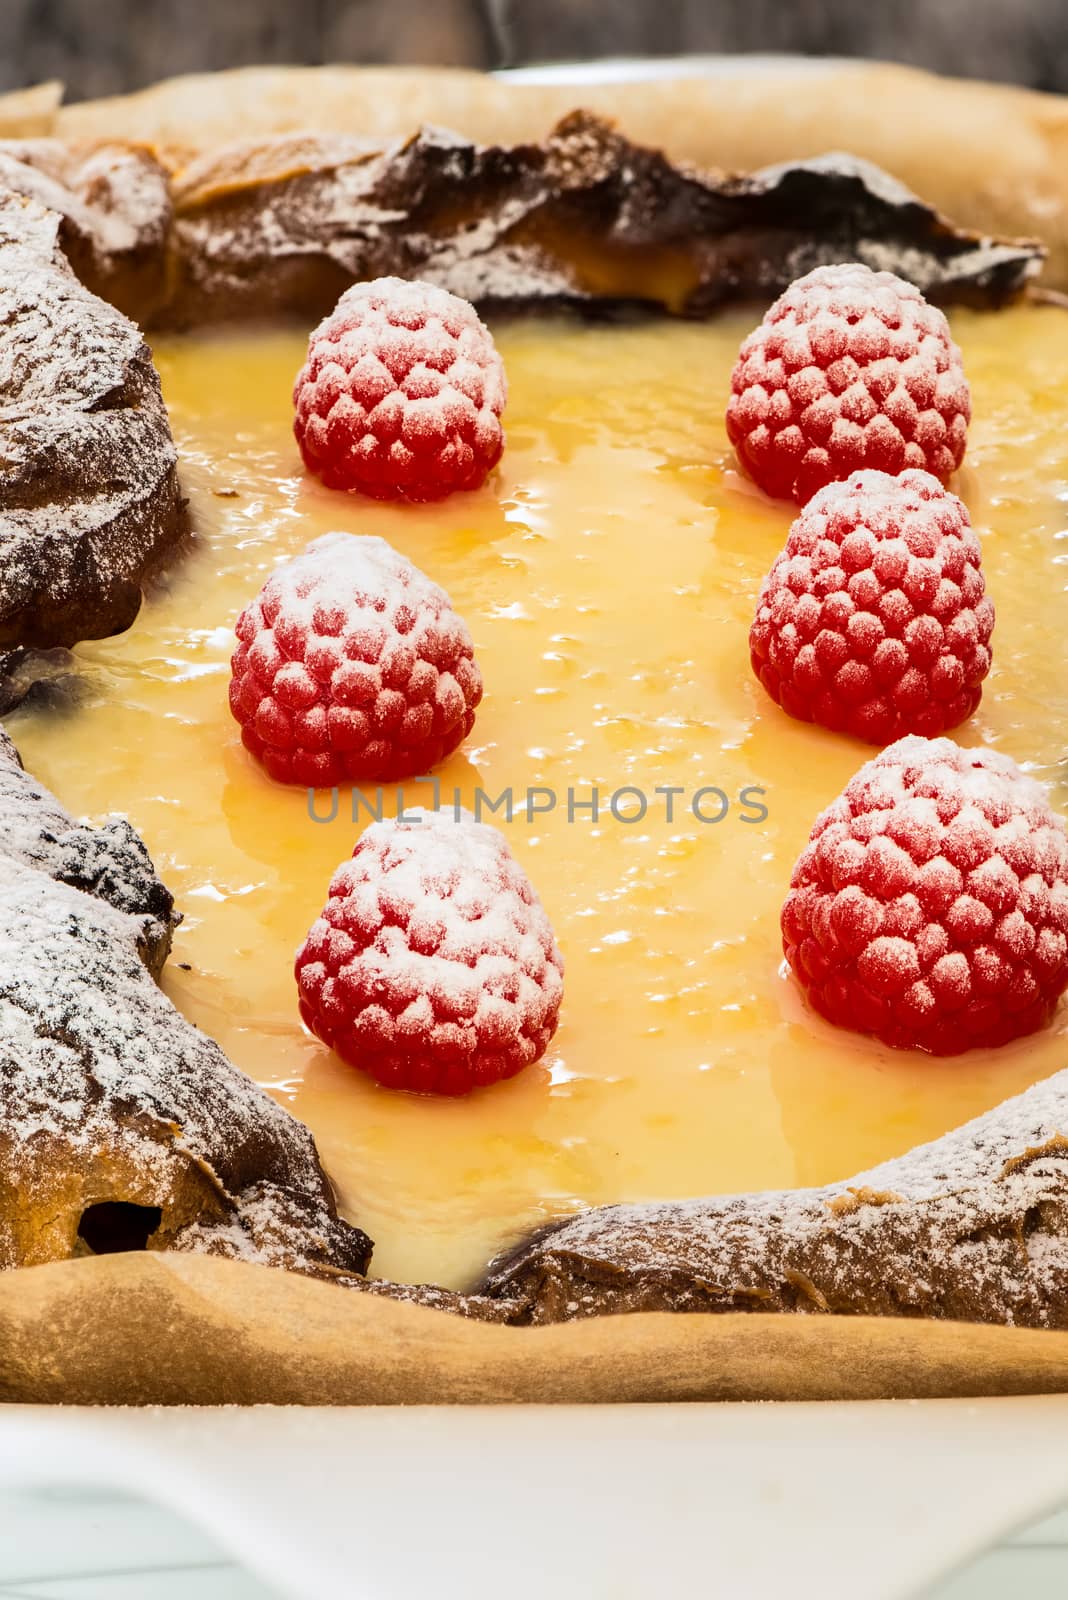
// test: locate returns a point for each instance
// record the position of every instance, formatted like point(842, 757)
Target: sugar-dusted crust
point(283, 225)
point(89, 498)
point(106, 1093)
point(110, 862)
point(115, 205)
point(973, 1227)
point(993, 157)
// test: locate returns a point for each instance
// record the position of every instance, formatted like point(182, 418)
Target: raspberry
point(874, 620)
point(930, 906)
point(850, 368)
point(401, 395)
point(351, 666)
point(433, 966)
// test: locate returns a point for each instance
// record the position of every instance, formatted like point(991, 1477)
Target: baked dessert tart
point(647, 783)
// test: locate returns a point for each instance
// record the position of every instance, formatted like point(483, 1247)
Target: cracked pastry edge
point(581, 216)
point(109, 862)
point(972, 1227)
point(106, 1092)
point(90, 503)
point(990, 155)
point(280, 226)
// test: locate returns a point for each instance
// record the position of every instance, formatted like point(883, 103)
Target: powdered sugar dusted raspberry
point(930, 907)
point(402, 394)
point(433, 966)
point(850, 368)
point(874, 620)
point(352, 666)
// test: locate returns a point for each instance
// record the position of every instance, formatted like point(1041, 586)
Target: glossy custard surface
point(609, 573)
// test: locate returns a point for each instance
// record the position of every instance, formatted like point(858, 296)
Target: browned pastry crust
point(972, 1227)
point(121, 1124)
point(115, 205)
point(286, 225)
point(89, 498)
point(990, 155)
point(283, 225)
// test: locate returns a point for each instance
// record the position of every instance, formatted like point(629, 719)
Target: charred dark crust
point(285, 224)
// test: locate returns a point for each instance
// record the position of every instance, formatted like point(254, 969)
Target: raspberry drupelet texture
point(849, 369)
point(930, 906)
point(401, 395)
point(352, 667)
point(874, 620)
point(433, 966)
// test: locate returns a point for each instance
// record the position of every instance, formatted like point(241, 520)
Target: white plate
point(841, 1502)
point(635, 69)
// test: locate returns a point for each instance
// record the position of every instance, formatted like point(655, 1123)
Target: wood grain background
point(104, 46)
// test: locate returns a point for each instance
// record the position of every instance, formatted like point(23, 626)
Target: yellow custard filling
point(608, 573)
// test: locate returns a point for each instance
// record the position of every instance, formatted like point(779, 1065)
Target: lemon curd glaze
point(609, 573)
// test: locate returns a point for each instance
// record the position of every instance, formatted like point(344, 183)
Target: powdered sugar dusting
point(114, 197)
point(875, 619)
point(110, 862)
point(849, 368)
point(434, 964)
point(90, 496)
point(973, 1227)
point(340, 573)
point(930, 907)
point(940, 773)
point(352, 665)
point(106, 1092)
point(402, 393)
point(285, 222)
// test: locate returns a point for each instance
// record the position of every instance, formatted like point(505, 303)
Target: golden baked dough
point(29, 113)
